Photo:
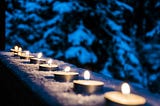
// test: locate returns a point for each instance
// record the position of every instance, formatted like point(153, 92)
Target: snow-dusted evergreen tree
point(148, 44)
point(119, 38)
point(144, 28)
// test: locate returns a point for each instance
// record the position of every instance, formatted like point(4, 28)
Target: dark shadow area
point(26, 62)
point(14, 92)
point(49, 77)
point(2, 24)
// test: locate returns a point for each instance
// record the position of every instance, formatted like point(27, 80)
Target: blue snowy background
point(118, 38)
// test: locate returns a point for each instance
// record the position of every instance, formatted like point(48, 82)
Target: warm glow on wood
point(67, 69)
point(87, 75)
point(125, 88)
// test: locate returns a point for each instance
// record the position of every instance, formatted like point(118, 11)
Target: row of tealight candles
point(86, 86)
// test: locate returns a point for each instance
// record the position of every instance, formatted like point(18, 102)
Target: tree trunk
point(2, 24)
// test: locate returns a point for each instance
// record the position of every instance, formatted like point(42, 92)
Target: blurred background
point(117, 38)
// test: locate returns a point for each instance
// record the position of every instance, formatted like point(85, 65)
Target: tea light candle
point(38, 60)
point(66, 75)
point(26, 55)
point(48, 67)
point(17, 50)
point(124, 97)
point(87, 86)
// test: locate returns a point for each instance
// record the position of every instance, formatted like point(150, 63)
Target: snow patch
point(32, 6)
point(105, 70)
point(124, 5)
point(113, 25)
point(121, 43)
point(157, 4)
point(154, 31)
point(63, 7)
point(35, 17)
point(81, 35)
point(133, 58)
point(83, 55)
point(153, 77)
point(23, 27)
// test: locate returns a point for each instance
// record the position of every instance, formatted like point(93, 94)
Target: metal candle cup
point(88, 86)
point(66, 75)
point(38, 60)
point(48, 67)
point(26, 55)
point(124, 98)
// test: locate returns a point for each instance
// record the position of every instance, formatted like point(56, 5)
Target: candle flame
point(125, 88)
point(67, 69)
point(49, 61)
point(19, 49)
point(87, 75)
point(27, 53)
point(39, 55)
point(16, 48)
